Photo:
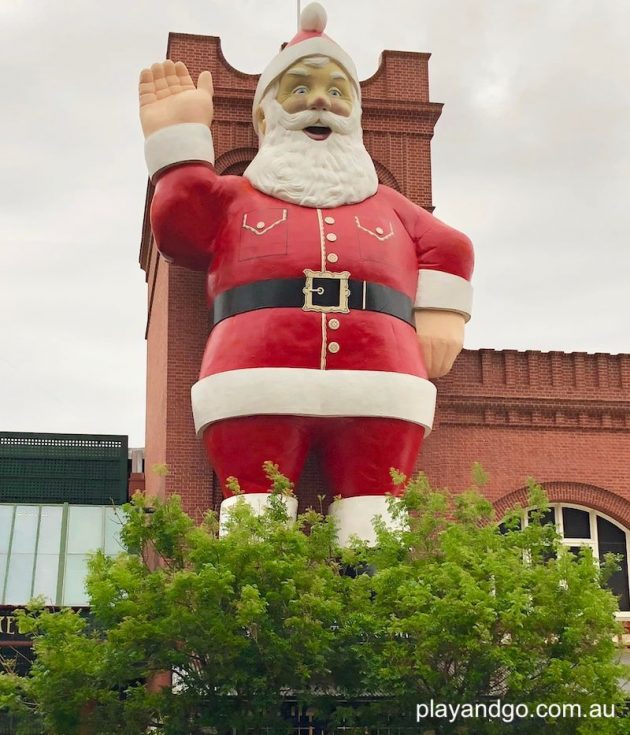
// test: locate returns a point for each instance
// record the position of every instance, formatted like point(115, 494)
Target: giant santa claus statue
point(334, 298)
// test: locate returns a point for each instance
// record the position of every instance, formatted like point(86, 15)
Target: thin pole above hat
point(310, 40)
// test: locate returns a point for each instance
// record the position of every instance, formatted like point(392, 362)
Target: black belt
point(319, 291)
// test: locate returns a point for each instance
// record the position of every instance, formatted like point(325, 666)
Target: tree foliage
point(449, 607)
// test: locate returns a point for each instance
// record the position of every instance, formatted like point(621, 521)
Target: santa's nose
point(319, 102)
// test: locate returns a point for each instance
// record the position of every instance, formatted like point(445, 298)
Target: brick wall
point(564, 419)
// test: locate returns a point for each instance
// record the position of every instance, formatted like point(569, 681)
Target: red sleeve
point(438, 246)
point(187, 212)
point(443, 248)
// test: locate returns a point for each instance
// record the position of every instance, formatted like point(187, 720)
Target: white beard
point(312, 173)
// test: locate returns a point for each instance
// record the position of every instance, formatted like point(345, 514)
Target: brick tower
point(398, 123)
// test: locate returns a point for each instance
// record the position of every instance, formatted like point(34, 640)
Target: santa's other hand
point(441, 337)
point(168, 96)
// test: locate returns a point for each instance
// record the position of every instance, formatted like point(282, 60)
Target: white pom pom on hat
point(313, 18)
point(310, 40)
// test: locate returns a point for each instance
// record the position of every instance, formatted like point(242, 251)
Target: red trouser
point(356, 453)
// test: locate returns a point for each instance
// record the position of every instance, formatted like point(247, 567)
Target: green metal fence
point(87, 469)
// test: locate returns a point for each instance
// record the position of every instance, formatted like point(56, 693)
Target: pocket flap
point(261, 221)
point(380, 230)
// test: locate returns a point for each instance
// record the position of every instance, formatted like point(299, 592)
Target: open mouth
point(317, 132)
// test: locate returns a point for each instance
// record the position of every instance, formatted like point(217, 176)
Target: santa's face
point(326, 88)
point(311, 142)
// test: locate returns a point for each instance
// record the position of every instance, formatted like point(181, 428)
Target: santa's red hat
point(309, 41)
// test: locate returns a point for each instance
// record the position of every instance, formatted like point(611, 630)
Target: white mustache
point(322, 118)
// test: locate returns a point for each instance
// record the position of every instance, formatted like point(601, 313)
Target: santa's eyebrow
point(339, 75)
point(298, 71)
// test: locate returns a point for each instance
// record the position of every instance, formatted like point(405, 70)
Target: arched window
point(234, 162)
point(579, 526)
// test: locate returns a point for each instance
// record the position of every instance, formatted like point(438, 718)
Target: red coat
point(239, 235)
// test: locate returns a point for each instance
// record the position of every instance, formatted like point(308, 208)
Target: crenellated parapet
point(545, 389)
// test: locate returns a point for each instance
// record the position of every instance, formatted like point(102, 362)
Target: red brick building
point(562, 418)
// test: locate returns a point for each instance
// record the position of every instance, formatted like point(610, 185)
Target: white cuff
point(258, 502)
point(178, 144)
point(440, 290)
point(354, 517)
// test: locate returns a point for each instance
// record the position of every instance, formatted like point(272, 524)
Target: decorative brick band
point(530, 412)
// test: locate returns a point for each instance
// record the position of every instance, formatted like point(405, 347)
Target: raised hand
point(169, 97)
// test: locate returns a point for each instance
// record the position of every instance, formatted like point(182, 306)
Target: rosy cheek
point(339, 107)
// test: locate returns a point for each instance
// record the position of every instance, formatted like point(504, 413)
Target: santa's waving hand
point(169, 97)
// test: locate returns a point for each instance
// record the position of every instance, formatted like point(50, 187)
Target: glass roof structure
point(44, 550)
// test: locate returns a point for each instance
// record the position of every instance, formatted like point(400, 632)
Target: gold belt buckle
point(309, 291)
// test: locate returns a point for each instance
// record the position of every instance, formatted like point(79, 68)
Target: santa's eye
point(300, 90)
point(334, 92)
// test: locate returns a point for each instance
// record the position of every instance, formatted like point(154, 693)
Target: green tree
point(450, 607)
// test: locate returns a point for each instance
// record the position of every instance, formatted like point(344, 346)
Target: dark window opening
point(548, 518)
point(576, 523)
point(612, 540)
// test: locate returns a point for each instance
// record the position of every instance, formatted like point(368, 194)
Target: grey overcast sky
point(531, 158)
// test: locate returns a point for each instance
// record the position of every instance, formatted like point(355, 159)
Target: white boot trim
point(257, 502)
point(354, 517)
